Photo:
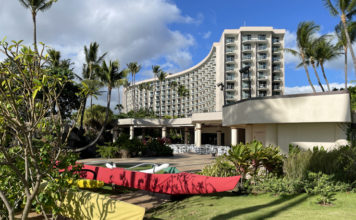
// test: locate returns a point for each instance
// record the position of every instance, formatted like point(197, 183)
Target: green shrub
point(296, 165)
point(108, 151)
point(321, 185)
point(220, 168)
point(251, 157)
point(339, 162)
point(278, 185)
point(157, 147)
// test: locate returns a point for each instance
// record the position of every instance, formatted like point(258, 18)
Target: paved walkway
point(187, 162)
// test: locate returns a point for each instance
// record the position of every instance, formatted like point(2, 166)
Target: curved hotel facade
point(256, 47)
point(236, 94)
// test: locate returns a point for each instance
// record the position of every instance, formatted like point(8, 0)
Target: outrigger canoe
point(173, 184)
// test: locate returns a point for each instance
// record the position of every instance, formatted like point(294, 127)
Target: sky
point(173, 34)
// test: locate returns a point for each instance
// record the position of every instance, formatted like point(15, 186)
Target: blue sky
point(173, 34)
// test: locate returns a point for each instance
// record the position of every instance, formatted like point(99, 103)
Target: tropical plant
point(33, 136)
point(342, 41)
point(119, 84)
point(305, 33)
point(182, 92)
point(109, 75)
point(172, 86)
point(345, 9)
point(161, 77)
point(35, 6)
point(156, 69)
point(133, 68)
point(220, 168)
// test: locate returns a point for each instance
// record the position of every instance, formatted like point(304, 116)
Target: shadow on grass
point(269, 214)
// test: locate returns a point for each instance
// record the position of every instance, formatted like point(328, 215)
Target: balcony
point(230, 78)
point(230, 59)
point(275, 40)
point(262, 77)
point(276, 59)
point(262, 87)
point(230, 49)
point(246, 58)
point(230, 97)
point(246, 49)
point(262, 48)
point(230, 68)
point(276, 50)
point(262, 58)
point(276, 78)
point(245, 76)
point(229, 41)
point(230, 87)
point(262, 37)
point(276, 87)
point(262, 94)
point(276, 69)
point(262, 67)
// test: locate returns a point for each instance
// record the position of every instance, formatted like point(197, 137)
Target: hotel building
point(256, 47)
point(226, 106)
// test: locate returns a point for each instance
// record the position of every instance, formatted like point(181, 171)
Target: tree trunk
point(102, 128)
point(118, 90)
point(317, 76)
point(343, 19)
point(34, 31)
point(82, 115)
point(133, 87)
point(307, 72)
point(7, 205)
point(324, 75)
point(345, 49)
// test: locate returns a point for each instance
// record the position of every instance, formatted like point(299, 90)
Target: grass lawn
point(231, 206)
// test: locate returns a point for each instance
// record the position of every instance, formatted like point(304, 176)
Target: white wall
point(305, 135)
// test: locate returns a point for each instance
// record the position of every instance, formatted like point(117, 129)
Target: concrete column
point(186, 134)
point(197, 135)
point(164, 132)
point(233, 136)
point(131, 132)
point(218, 138)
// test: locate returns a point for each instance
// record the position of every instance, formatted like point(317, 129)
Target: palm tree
point(182, 92)
point(342, 41)
point(109, 75)
point(345, 9)
point(156, 69)
point(126, 85)
point(134, 68)
point(35, 6)
point(310, 52)
point(120, 83)
point(161, 77)
point(324, 51)
point(90, 69)
point(305, 32)
point(172, 85)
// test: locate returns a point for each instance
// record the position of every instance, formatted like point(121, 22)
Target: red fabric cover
point(179, 183)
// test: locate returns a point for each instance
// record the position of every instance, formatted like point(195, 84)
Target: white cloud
point(308, 89)
point(129, 30)
point(207, 35)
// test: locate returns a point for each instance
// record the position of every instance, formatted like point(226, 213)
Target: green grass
point(232, 206)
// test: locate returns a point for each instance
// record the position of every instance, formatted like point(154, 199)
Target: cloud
point(308, 89)
point(207, 35)
point(129, 30)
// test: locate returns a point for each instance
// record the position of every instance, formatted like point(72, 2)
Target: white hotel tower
point(256, 47)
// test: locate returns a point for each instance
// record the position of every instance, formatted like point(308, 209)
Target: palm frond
point(331, 7)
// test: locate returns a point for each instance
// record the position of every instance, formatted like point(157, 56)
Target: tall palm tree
point(305, 33)
point(90, 69)
point(182, 92)
point(161, 77)
point(126, 85)
point(172, 85)
point(109, 76)
point(35, 6)
point(120, 83)
point(342, 41)
point(310, 52)
point(345, 9)
point(156, 69)
point(134, 68)
point(324, 51)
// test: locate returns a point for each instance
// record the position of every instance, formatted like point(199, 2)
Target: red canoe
point(174, 184)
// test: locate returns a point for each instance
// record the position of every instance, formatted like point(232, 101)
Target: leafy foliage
point(220, 168)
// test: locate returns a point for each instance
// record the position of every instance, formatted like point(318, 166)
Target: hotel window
point(262, 65)
point(230, 58)
point(230, 49)
point(230, 85)
point(246, 56)
point(262, 37)
point(230, 39)
point(262, 56)
point(246, 47)
point(275, 39)
point(230, 67)
point(246, 37)
point(262, 46)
